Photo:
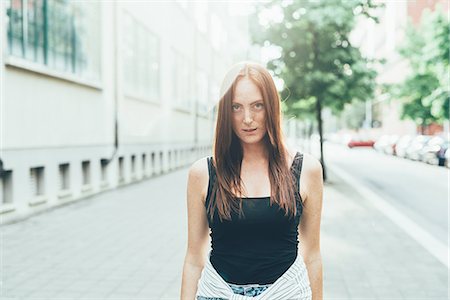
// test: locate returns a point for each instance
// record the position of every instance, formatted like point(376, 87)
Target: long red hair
point(228, 153)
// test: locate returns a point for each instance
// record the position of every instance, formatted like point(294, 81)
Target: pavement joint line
point(425, 239)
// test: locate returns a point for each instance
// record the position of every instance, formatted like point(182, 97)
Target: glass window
point(216, 31)
point(182, 91)
point(202, 92)
point(55, 33)
point(15, 27)
point(34, 35)
point(154, 67)
point(141, 60)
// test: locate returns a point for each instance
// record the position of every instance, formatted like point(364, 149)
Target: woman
point(252, 200)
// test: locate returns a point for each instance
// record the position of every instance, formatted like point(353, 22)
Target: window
point(218, 35)
point(133, 164)
point(37, 181)
point(15, 28)
point(161, 163)
point(64, 179)
point(62, 35)
point(104, 170)
point(121, 170)
point(153, 164)
point(144, 158)
point(170, 160)
point(6, 187)
point(86, 169)
point(202, 92)
point(141, 61)
point(182, 87)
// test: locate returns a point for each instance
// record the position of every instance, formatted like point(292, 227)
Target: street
point(130, 243)
point(418, 190)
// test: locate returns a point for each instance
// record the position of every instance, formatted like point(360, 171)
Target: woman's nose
point(248, 118)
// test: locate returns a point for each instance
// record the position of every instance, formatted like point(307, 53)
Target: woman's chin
point(251, 139)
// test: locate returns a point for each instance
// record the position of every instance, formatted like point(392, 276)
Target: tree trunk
point(319, 122)
point(319, 105)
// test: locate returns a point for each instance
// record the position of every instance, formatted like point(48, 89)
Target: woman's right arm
point(197, 230)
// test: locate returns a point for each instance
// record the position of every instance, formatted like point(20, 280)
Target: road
point(418, 190)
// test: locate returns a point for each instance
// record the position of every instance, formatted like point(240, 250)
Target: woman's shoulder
point(199, 177)
point(311, 180)
point(310, 164)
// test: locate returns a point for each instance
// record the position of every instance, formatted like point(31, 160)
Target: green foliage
point(317, 60)
point(412, 92)
point(353, 115)
point(426, 93)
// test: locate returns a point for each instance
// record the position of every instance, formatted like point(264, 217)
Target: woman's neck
point(254, 153)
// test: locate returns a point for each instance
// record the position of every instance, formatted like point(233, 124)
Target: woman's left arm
point(311, 182)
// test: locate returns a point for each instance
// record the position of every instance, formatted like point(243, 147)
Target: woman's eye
point(235, 107)
point(259, 105)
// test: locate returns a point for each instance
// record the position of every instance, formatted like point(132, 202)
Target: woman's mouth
point(250, 130)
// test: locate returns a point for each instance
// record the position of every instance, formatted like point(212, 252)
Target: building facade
point(97, 95)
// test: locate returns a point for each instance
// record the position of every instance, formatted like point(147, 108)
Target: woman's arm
point(197, 230)
point(309, 227)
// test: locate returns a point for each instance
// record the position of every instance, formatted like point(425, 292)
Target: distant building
point(98, 94)
point(416, 8)
point(382, 41)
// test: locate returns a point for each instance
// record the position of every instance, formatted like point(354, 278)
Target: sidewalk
point(130, 244)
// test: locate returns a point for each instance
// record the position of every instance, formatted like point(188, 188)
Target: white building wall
point(50, 118)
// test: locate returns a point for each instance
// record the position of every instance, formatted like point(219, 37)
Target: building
point(96, 95)
point(382, 41)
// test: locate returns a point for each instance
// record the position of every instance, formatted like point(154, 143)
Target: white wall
point(49, 118)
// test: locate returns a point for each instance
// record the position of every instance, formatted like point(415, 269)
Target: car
point(429, 153)
point(413, 150)
point(381, 143)
point(447, 158)
point(441, 154)
point(360, 142)
point(386, 143)
point(391, 144)
point(402, 144)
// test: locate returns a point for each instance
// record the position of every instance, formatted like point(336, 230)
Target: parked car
point(391, 144)
point(447, 158)
point(441, 154)
point(360, 142)
point(386, 143)
point(429, 153)
point(402, 144)
point(413, 150)
point(381, 143)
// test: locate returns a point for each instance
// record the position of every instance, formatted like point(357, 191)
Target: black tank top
point(260, 247)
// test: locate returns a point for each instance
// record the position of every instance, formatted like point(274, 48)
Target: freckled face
point(248, 112)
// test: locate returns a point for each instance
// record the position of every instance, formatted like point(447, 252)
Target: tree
point(426, 92)
point(412, 92)
point(353, 115)
point(318, 64)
